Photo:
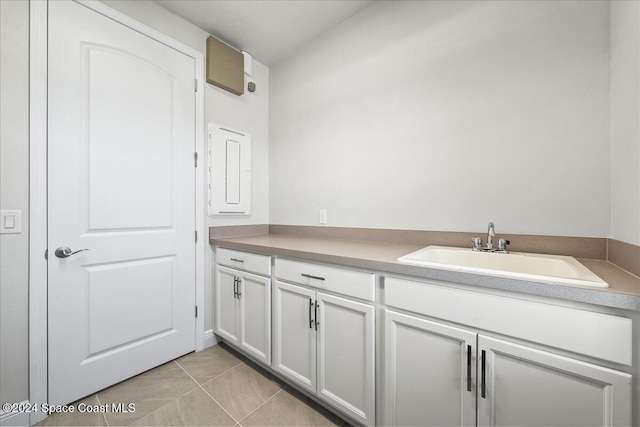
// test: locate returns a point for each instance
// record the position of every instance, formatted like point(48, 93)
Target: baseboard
point(15, 418)
point(210, 339)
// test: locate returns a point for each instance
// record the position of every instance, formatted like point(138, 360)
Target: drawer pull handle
point(312, 277)
point(237, 260)
point(310, 320)
point(468, 368)
point(483, 375)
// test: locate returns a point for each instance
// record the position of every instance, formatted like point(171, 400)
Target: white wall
point(625, 121)
point(14, 194)
point(446, 115)
point(247, 113)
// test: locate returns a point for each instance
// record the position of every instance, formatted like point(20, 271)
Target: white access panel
point(229, 171)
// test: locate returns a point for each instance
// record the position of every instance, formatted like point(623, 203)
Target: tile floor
point(214, 387)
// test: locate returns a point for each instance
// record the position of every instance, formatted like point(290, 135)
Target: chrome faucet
point(491, 233)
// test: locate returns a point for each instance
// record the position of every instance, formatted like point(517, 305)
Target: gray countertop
point(623, 291)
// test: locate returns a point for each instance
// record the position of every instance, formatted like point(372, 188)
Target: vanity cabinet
point(325, 343)
point(451, 355)
point(438, 374)
point(242, 303)
point(435, 375)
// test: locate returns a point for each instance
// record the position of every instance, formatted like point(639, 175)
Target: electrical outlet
point(322, 216)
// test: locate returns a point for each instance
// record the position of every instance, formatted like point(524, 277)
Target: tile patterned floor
point(214, 387)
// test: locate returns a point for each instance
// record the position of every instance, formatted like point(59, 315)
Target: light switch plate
point(322, 216)
point(10, 222)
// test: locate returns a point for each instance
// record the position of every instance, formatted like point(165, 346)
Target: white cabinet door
point(346, 348)
point(294, 338)
point(429, 373)
point(227, 305)
point(522, 386)
point(255, 316)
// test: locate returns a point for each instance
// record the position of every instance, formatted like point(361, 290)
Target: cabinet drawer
point(584, 332)
point(347, 282)
point(254, 263)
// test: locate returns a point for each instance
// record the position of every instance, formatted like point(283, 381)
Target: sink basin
point(554, 269)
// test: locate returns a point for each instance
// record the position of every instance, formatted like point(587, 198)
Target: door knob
point(66, 252)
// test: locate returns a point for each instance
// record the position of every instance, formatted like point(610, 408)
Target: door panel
point(121, 140)
point(294, 339)
point(128, 301)
point(525, 386)
point(226, 303)
point(346, 350)
point(121, 183)
point(427, 373)
point(255, 316)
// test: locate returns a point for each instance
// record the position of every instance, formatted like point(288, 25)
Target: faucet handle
point(477, 242)
point(502, 244)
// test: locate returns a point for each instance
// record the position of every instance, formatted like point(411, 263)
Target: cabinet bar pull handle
point(483, 375)
point(310, 320)
point(235, 282)
point(315, 315)
point(312, 277)
point(238, 293)
point(468, 368)
point(237, 260)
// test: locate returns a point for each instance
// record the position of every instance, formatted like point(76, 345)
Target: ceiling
point(268, 29)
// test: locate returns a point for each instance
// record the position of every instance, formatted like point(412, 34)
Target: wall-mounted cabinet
point(229, 171)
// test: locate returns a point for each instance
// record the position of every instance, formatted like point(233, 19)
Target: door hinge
point(195, 159)
point(196, 311)
point(196, 232)
point(195, 85)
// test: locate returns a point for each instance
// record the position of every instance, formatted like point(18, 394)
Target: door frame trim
point(38, 30)
point(38, 280)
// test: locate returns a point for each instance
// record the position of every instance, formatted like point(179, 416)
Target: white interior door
point(121, 138)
